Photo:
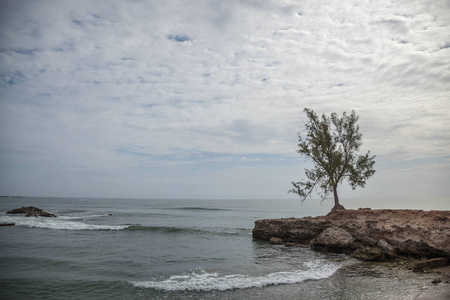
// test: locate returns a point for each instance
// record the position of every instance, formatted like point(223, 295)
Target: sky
point(204, 99)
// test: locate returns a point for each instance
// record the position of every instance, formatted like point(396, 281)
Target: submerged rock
point(31, 211)
point(368, 234)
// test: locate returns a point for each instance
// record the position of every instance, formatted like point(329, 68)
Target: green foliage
point(332, 144)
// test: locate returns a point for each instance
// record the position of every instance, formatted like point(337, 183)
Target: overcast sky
point(204, 99)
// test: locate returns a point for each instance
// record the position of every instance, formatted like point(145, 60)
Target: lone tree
point(332, 144)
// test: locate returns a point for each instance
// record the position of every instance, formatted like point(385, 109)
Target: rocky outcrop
point(31, 211)
point(367, 234)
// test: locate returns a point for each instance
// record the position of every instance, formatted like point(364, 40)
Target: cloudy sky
point(204, 99)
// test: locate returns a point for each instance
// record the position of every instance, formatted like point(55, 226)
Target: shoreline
point(400, 254)
point(439, 291)
point(391, 280)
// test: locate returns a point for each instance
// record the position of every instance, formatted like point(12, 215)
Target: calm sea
point(159, 249)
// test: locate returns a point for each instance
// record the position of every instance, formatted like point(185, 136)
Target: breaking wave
point(75, 223)
point(204, 281)
point(57, 223)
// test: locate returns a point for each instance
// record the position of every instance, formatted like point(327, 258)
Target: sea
point(171, 249)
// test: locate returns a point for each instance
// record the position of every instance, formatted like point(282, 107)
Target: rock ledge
point(376, 235)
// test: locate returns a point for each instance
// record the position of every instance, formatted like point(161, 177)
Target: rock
point(436, 280)
point(368, 253)
point(40, 214)
point(396, 233)
point(387, 249)
point(333, 239)
point(31, 211)
point(300, 231)
point(290, 244)
point(276, 241)
point(23, 210)
point(429, 264)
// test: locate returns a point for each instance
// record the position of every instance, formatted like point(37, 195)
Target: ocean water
point(162, 249)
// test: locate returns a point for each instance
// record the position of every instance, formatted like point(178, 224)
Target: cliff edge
point(376, 235)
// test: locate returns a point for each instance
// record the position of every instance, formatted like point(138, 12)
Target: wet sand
point(367, 280)
point(439, 291)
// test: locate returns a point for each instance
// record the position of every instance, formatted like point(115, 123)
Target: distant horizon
point(418, 203)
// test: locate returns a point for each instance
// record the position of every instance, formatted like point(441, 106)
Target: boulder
point(23, 210)
point(40, 214)
point(31, 211)
point(333, 239)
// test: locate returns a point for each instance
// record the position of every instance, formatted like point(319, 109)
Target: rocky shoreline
point(371, 235)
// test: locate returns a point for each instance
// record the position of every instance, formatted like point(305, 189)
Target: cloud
point(113, 86)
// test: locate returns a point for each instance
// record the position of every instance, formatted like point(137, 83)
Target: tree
point(332, 145)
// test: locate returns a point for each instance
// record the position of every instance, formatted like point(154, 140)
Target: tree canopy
point(332, 143)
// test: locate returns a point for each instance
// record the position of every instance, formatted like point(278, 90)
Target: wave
point(75, 223)
point(58, 224)
point(164, 229)
point(204, 281)
point(198, 208)
point(82, 217)
point(191, 231)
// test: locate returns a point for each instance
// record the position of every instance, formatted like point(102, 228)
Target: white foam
point(70, 218)
point(204, 281)
point(57, 223)
point(81, 217)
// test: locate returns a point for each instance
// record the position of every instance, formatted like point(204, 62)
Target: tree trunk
point(337, 206)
